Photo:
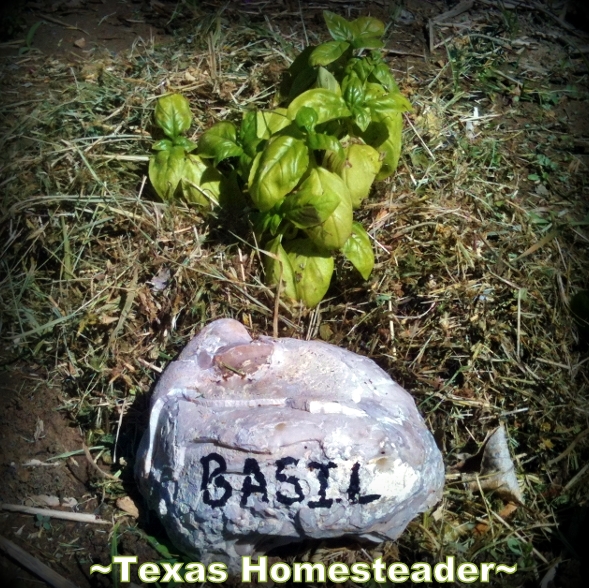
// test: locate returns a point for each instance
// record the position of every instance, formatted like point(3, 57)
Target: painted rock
point(253, 444)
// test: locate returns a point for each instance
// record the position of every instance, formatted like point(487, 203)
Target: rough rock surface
point(255, 444)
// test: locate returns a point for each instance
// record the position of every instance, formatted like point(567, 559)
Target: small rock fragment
point(126, 504)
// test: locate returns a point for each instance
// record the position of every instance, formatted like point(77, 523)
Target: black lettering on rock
point(219, 481)
point(251, 468)
point(354, 488)
point(280, 465)
point(322, 476)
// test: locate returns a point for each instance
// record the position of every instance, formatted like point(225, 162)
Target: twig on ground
point(34, 565)
point(569, 448)
point(78, 517)
point(95, 466)
point(62, 23)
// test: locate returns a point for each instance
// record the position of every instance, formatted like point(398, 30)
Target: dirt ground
point(34, 421)
point(34, 425)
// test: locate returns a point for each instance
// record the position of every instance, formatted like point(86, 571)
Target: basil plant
point(300, 169)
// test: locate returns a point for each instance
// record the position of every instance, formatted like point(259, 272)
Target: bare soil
point(33, 424)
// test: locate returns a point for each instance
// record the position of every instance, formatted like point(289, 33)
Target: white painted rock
point(255, 444)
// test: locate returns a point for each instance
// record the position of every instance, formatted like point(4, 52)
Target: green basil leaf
point(306, 118)
point(201, 183)
point(358, 170)
point(367, 43)
point(227, 149)
point(367, 26)
point(367, 31)
point(260, 221)
point(374, 91)
point(266, 222)
point(384, 133)
point(326, 80)
point(326, 104)
point(358, 250)
point(312, 270)
point(269, 122)
point(376, 134)
point(275, 222)
point(334, 161)
point(245, 165)
point(278, 267)
point(248, 134)
point(336, 128)
point(392, 102)
point(185, 143)
point(362, 117)
point(277, 170)
point(225, 130)
point(162, 145)
point(322, 142)
point(172, 115)
point(327, 53)
point(383, 74)
point(301, 62)
point(392, 146)
point(353, 90)
point(302, 82)
point(219, 142)
point(231, 196)
point(311, 204)
point(335, 230)
point(339, 28)
point(166, 169)
point(299, 76)
point(359, 66)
